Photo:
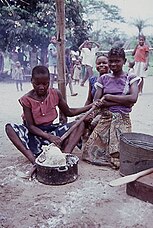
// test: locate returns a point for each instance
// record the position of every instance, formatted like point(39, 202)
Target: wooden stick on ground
point(130, 178)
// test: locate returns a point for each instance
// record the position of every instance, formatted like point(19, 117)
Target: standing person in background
point(89, 57)
point(83, 65)
point(1, 62)
point(69, 67)
point(33, 57)
point(22, 57)
point(77, 71)
point(17, 75)
point(141, 58)
point(14, 55)
point(52, 59)
point(13, 58)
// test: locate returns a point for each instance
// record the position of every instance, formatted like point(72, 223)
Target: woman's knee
point(81, 127)
point(8, 129)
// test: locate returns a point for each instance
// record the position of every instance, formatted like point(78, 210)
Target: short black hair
point(101, 54)
point(142, 37)
point(40, 70)
point(119, 52)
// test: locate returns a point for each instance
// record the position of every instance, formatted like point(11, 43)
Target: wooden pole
point(60, 26)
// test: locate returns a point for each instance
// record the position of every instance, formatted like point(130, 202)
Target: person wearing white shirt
point(88, 52)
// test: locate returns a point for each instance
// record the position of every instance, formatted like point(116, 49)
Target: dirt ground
point(87, 202)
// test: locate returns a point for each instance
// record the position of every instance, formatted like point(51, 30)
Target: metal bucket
point(58, 175)
point(136, 153)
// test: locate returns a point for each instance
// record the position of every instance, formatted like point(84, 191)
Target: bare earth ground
point(87, 202)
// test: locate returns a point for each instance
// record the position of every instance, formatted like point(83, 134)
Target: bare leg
point(141, 85)
point(89, 73)
point(17, 85)
point(18, 144)
point(70, 85)
point(82, 72)
point(73, 139)
point(21, 86)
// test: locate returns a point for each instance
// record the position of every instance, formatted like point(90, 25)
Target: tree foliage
point(33, 22)
point(140, 24)
point(103, 17)
point(106, 11)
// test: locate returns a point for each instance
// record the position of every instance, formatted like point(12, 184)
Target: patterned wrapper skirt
point(102, 147)
point(33, 142)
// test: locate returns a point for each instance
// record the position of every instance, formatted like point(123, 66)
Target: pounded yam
point(53, 156)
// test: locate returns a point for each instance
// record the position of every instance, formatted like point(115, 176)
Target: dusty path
point(87, 202)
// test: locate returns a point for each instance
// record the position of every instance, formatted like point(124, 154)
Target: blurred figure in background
point(33, 57)
point(89, 55)
point(69, 68)
point(141, 58)
point(1, 62)
point(17, 75)
point(77, 71)
point(22, 57)
point(13, 58)
point(52, 59)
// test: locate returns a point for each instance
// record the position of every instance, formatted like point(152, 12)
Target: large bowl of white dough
point(55, 167)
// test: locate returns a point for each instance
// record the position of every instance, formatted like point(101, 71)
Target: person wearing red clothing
point(141, 58)
point(39, 112)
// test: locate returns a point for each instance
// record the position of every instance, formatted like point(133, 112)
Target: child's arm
point(89, 98)
point(98, 94)
point(83, 44)
point(67, 111)
point(98, 45)
point(134, 51)
point(147, 60)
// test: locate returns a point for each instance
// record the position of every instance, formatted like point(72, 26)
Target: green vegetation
point(31, 23)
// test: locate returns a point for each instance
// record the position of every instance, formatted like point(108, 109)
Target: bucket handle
point(62, 170)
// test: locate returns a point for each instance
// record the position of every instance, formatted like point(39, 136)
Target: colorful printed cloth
point(103, 143)
point(33, 142)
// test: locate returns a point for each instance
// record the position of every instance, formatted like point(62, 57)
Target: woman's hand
point(98, 103)
point(89, 118)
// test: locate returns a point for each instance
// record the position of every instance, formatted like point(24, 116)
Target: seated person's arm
point(89, 98)
point(63, 106)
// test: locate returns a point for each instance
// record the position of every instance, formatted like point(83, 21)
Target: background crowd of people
point(79, 65)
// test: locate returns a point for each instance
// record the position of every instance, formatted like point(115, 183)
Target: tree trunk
point(60, 25)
